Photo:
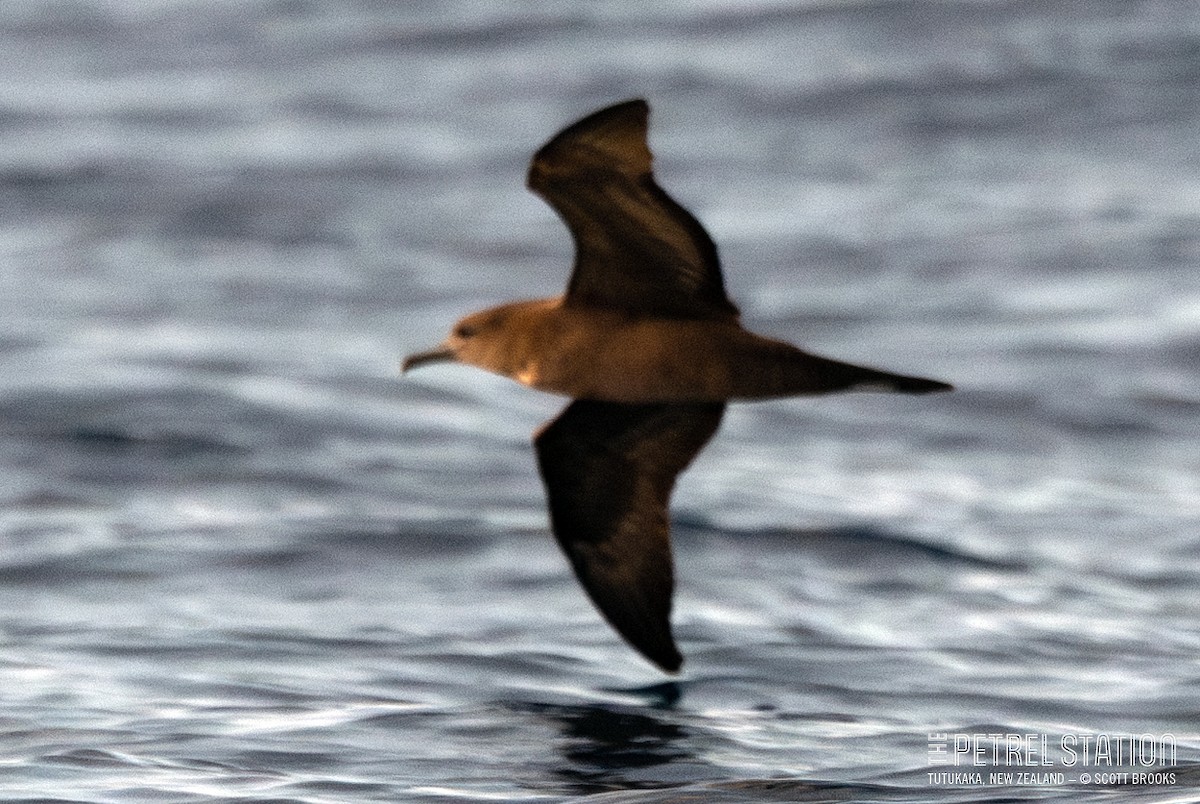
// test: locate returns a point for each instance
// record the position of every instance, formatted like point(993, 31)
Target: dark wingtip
point(650, 637)
point(630, 116)
point(657, 645)
point(633, 106)
point(670, 661)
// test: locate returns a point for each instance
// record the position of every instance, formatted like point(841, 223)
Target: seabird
point(649, 347)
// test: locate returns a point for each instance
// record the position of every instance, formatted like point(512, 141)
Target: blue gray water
point(242, 559)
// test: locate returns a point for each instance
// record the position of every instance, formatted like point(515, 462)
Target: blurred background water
point(242, 559)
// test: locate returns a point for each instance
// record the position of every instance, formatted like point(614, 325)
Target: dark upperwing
point(609, 470)
point(636, 249)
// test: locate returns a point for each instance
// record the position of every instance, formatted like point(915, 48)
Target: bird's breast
point(598, 354)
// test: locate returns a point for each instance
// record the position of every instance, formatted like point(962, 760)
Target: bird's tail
point(777, 369)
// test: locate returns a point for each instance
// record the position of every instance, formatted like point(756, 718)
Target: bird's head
point(490, 339)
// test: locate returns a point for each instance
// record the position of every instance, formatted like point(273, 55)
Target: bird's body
point(649, 346)
point(634, 358)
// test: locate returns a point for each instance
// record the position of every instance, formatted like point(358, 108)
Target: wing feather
point(609, 469)
point(636, 248)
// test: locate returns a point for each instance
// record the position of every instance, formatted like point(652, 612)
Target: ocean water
point(243, 559)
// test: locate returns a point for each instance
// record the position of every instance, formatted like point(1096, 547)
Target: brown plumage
point(649, 346)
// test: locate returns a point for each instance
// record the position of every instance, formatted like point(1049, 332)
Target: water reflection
point(608, 746)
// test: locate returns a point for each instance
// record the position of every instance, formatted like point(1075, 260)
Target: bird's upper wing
point(609, 469)
point(636, 249)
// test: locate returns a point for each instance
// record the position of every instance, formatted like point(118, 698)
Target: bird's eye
point(464, 331)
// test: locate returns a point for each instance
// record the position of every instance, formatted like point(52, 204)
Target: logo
point(1006, 759)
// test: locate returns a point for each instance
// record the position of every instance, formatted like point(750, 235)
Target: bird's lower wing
point(609, 469)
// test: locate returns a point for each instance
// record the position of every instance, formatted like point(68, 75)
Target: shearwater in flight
point(650, 348)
